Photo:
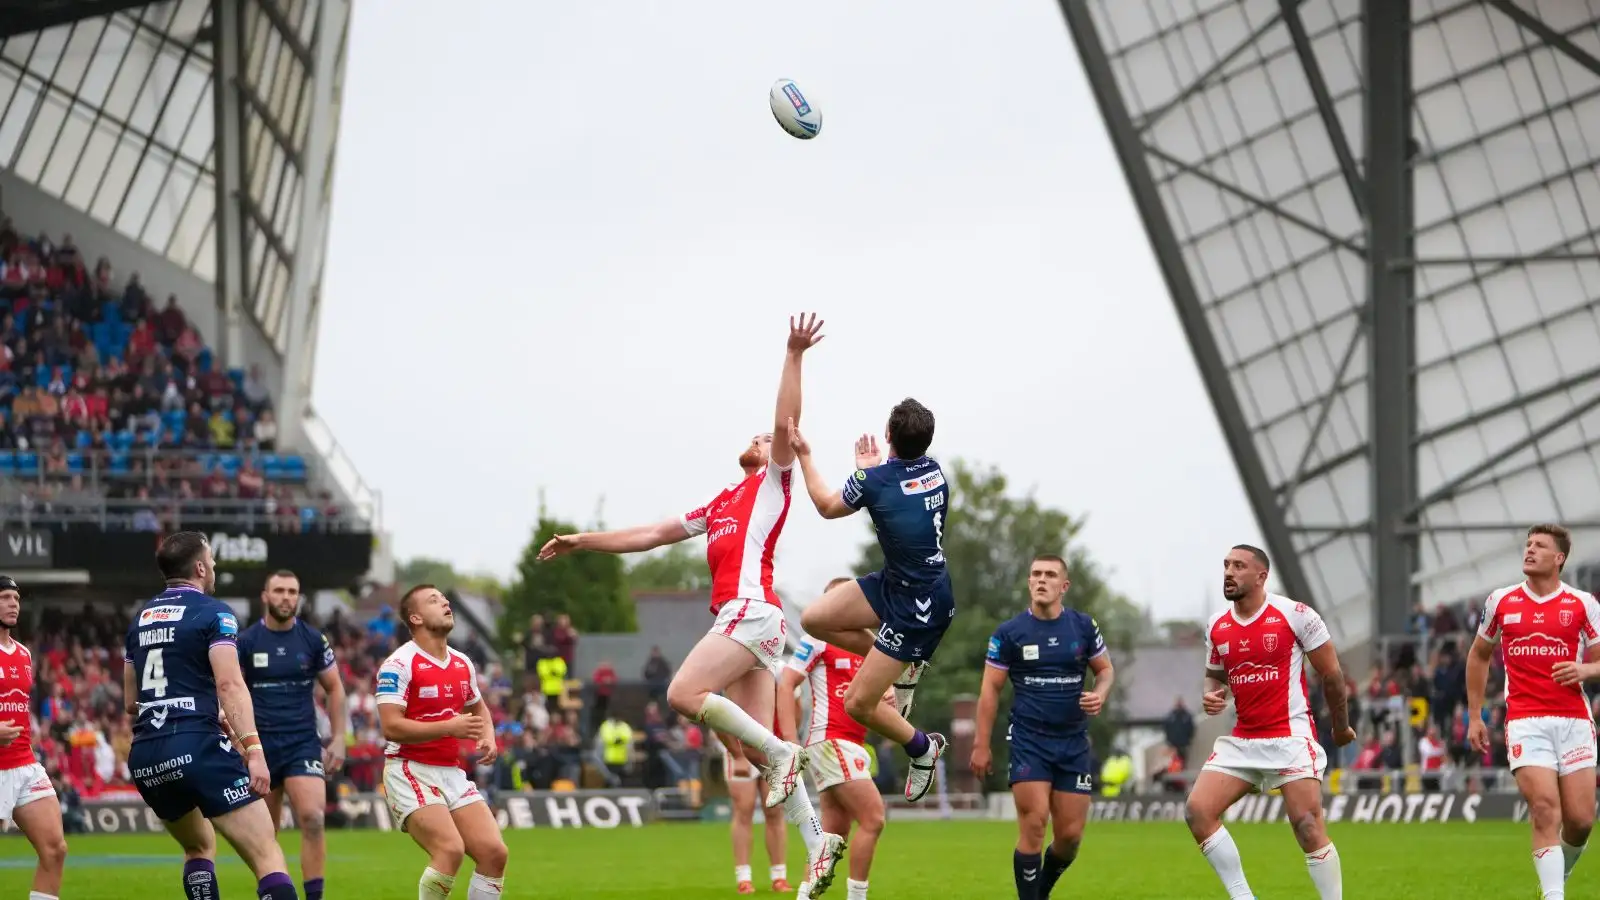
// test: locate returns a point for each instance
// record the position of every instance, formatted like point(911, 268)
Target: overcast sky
point(566, 239)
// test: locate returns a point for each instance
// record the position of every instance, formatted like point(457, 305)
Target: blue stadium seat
point(271, 466)
point(27, 462)
point(119, 461)
point(8, 462)
point(83, 440)
point(294, 467)
point(173, 418)
point(121, 440)
point(229, 463)
point(75, 463)
point(237, 375)
point(203, 361)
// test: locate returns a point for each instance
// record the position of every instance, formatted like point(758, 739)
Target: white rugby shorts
point(409, 786)
point(21, 786)
point(1267, 763)
point(1551, 742)
point(757, 625)
point(835, 762)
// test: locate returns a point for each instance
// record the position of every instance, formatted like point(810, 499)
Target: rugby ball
point(794, 112)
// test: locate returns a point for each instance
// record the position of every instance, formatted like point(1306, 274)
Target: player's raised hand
point(805, 334)
point(797, 441)
point(1569, 673)
point(1478, 734)
point(867, 453)
point(1214, 702)
point(560, 545)
point(1090, 702)
point(9, 733)
point(982, 761)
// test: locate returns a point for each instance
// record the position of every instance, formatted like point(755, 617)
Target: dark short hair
point(1053, 558)
point(1557, 533)
point(910, 429)
point(178, 552)
point(1257, 552)
point(407, 599)
point(281, 573)
point(836, 582)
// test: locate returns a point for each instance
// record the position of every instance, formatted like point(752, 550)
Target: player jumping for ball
point(894, 618)
point(741, 525)
point(27, 798)
point(1549, 630)
point(1257, 648)
point(1045, 652)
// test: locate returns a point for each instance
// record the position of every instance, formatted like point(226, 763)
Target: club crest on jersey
point(1270, 642)
point(1566, 618)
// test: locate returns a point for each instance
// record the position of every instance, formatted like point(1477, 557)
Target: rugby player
point(719, 683)
point(897, 617)
point(741, 777)
point(1549, 630)
point(283, 659)
point(1045, 652)
point(27, 798)
point(1257, 648)
point(182, 667)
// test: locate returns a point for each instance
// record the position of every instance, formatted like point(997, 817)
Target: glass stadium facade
point(1378, 222)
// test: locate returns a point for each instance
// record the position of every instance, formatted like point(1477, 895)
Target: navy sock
point(276, 886)
point(917, 746)
point(313, 888)
point(200, 880)
point(1025, 866)
point(1055, 865)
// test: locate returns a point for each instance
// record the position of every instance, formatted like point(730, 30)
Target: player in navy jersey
point(182, 670)
point(1045, 652)
point(283, 659)
point(894, 618)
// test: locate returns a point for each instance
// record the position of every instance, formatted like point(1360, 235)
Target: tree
point(681, 567)
point(442, 575)
point(990, 537)
point(590, 587)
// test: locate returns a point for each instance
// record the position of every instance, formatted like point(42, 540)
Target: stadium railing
point(100, 466)
point(119, 515)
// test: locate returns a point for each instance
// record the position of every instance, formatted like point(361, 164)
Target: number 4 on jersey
point(154, 677)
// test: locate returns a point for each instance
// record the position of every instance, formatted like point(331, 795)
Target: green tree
point(681, 567)
point(990, 537)
point(590, 587)
point(443, 575)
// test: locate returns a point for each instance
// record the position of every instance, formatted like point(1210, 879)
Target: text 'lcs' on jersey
point(169, 645)
point(908, 501)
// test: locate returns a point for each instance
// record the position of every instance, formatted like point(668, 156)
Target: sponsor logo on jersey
point(1540, 644)
point(928, 482)
point(1222, 649)
point(1511, 619)
point(1030, 651)
point(227, 624)
point(1253, 673)
point(843, 663)
point(389, 683)
point(804, 653)
point(428, 692)
point(259, 660)
point(235, 795)
point(161, 614)
point(994, 648)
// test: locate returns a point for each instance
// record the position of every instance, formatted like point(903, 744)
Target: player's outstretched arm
point(830, 504)
point(803, 335)
point(1325, 659)
point(628, 540)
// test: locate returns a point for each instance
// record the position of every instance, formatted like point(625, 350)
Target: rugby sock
point(276, 886)
point(1325, 875)
point(200, 879)
point(741, 874)
point(1025, 867)
point(1223, 855)
point(778, 871)
point(40, 895)
point(313, 888)
point(1054, 865)
point(434, 884)
point(797, 810)
point(482, 887)
point(725, 716)
point(1569, 856)
point(918, 746)
point(1548, 866)
point(855, 890)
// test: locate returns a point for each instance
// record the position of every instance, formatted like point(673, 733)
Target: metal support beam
point(1489, 527)
point(1203, 81)
point(27, 16)
point(1191, 314)
point(1552, 38)
point(1324, 99)
point(1336, 390)
point(226, 65)
point(1553, 256)
point(1391, 347)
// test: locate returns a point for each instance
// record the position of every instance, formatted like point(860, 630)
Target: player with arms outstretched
point(745, 787)
point(718, 683)
point(895, 618)
point(283, 659)
point(27, 798)
point(840, 764)
point(1045, 652)
point(1257, 648)
point(182, 669)
point(1549, 630)
point(428, 702)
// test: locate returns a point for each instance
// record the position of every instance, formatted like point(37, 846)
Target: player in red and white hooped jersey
point(719, 683)
point(836, 743)
point(1549, 632)
point(27, 798)
point(1257, 649)
point(428, 701)
point(744, 789)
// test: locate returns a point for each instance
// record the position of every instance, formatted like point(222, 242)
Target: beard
point(750, 459)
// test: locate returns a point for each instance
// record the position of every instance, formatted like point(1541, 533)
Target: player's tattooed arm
point(233, 697)
point(1325, 659)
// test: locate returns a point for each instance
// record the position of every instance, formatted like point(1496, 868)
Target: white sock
point(740, 874)
point(434, 885)
point(781, 870)
point(1324, 867)
point(1223, 855)
point(1548, 865)
point(1569, 857)
point(855, 890)
point(41, 895)
point(797, 810)
point(482, 887)
point(725, 716)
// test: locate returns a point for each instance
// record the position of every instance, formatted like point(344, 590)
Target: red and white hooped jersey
point(431, 689)
point(829, 671)
point(1536, 633)
point(16, 686)
point(741, 525)
point(1263, 660)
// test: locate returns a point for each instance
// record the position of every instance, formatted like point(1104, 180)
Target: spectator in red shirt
point(141, 343)
point(604, 680)
point(171, 322)
point(564, 638)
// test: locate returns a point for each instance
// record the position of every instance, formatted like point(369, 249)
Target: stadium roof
point(1377, 221)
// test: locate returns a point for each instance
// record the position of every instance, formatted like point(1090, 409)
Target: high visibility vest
point(552, 671)
point(617, 737)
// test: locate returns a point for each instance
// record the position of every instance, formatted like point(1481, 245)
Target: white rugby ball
point(798, 116)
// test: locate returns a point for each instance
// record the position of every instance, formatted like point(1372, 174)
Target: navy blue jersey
point(1046, 660)
point(908, 502)
point(281, 668)
point(169, 646)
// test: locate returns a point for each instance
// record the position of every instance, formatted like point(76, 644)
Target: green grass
point(955, 860)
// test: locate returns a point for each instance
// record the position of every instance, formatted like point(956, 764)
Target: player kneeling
point(427, 701)
point(742, 778)
point(839, 762)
